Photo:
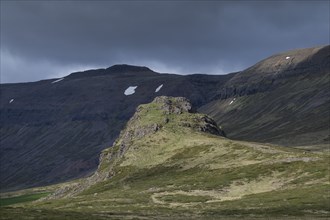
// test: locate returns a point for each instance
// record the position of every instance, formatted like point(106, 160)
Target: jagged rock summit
point(173, 114)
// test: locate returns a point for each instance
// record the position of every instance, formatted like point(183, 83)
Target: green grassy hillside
point(169, 164)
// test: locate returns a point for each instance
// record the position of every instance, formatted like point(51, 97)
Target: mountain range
point(54, 130)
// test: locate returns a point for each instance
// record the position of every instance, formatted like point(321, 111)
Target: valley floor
point(241, 181)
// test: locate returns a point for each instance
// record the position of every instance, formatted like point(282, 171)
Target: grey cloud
point(186, 36)
point(29, 69)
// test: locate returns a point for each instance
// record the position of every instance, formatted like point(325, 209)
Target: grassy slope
point(21, 199)
point(179, 173)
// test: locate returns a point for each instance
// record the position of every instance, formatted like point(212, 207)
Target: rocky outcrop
point(163, 112)
point(173, 105)
point(165, 108)
point(210, 126)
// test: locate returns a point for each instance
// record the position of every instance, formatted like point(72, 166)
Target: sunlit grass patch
point(21, 199)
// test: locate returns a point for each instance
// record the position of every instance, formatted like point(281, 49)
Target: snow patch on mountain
point(57, 80)
point(158, 88)
point(130, 90)
point(231, 102)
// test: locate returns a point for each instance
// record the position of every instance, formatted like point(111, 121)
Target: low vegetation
point(21, 199)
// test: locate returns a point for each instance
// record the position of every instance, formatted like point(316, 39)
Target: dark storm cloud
point(42, 39)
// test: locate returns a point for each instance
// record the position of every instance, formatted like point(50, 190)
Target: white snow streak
point(158, 88)
point(287, 58)
point(232, 101)
point(57, 80)
point(11, 100)
point(130, 90)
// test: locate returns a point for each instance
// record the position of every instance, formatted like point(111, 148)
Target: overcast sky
point(48, 39)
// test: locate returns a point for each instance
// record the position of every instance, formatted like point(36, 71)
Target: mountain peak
point(122, 69)
point(169, 113)
point(290, 61)
point(125, 68)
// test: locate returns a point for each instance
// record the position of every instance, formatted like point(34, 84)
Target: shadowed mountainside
point(284, 99)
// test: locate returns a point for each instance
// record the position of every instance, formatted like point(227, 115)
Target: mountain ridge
point(119, 70)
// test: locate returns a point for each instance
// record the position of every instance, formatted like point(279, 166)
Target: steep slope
point(284, 99)
point(53, 130)
point(169, 163)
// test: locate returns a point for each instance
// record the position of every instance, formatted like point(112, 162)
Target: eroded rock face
point(210, 126)
point(170, 105)
point(134, 133)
